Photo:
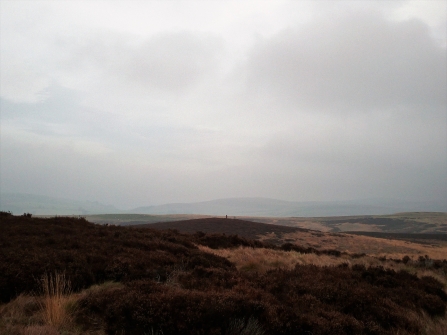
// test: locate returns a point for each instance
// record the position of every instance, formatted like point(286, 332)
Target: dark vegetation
point(229, 226)
point(419, 238)
point(386, 222)
point(402, 226)
point(170, 286)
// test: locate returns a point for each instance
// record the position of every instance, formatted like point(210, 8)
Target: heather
point(138, 280)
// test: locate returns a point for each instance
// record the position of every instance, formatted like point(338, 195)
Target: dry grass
point(57, 289)
point(48, 314)
point(262, 260)
point(369, 245)
point(18, 313)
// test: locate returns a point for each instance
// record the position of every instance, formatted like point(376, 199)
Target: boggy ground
point(69, 276)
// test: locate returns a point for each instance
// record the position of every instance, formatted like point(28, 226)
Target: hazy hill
point(279, 208)
point(19, 203)
point(38, 204)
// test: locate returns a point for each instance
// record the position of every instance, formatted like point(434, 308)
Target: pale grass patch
point(262, 260)
point(369, 245)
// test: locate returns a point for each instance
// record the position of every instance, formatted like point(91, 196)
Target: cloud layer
point(291, 100)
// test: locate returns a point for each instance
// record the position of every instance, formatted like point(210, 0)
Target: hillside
point(403, 223)
point(136, 280)
point(394, 245)
point(244, 228)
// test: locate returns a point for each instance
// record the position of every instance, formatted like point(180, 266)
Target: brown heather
point(119, 280)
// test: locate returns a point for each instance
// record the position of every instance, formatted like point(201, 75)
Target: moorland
point(61, 275)
point(405, 223)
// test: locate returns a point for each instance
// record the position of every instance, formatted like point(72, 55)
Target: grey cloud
point(59, 105)
point(172, 62)
point(168, 62)
point(345, 106)
point(350, 63)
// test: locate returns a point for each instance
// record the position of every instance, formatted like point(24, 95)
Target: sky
point(139, 103)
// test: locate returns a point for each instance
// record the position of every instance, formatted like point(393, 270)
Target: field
point(215, 276)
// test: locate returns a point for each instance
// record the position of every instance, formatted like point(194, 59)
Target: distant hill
point(19, 203)
point(425, 223)
point(279, 208)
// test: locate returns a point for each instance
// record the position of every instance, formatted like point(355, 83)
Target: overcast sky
point(148, 102)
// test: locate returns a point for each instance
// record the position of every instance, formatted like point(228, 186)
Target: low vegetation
point(68, 276)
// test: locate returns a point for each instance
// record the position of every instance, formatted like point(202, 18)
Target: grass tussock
point(56, 300)
point(50, 313)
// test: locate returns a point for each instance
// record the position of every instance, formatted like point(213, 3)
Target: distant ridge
point(280, 208)
point(19, 203)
